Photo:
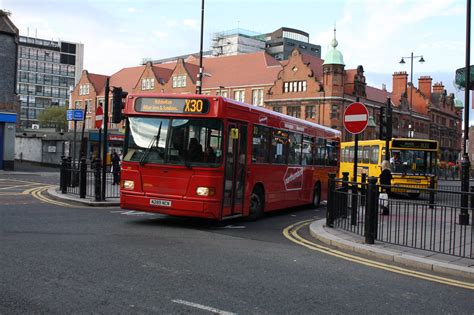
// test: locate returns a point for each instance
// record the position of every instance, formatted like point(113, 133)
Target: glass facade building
point(47, 71)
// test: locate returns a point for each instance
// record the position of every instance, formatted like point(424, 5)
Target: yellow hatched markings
point(291, 233)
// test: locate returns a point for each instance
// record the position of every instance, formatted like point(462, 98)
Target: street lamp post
point(411, 127)
point(200, 74)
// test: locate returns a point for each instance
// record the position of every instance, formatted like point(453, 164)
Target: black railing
point(431, 221)
point(84, 179)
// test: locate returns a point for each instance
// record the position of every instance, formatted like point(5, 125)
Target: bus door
point(235, 169)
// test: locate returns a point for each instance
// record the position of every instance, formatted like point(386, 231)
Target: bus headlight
point(205, 191)
point(128, 184)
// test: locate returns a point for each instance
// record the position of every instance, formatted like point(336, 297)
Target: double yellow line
point(291, 233)
point(38, 194)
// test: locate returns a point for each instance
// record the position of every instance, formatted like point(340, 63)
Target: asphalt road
point(75, 259)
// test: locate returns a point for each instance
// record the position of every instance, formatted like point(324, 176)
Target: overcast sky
point(372, 33)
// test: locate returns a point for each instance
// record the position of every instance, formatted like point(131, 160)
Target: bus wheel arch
point(316, 200)
point(257, 202)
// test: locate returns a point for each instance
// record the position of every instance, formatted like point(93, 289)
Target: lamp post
point(199, 80)
point(411, 127)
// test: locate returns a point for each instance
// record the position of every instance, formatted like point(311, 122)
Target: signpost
point(356, 117)
point(74, 115)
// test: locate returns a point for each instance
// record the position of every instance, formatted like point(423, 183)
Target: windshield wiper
point(147, 152)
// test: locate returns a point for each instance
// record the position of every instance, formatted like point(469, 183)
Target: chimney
point(438, 87)
point(399, 85)
point(384, 87)
point(424, 85)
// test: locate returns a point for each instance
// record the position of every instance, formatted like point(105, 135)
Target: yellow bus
point(412, 161)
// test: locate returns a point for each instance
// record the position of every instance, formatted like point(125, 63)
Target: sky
point(371, 33)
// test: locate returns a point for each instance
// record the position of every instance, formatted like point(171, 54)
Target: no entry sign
point(355, 118)
point(99, 117)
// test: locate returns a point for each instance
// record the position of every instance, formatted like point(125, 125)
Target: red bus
point(212, 157)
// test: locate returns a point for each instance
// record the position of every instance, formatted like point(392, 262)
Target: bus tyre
point(316, 196)
point(256, 205)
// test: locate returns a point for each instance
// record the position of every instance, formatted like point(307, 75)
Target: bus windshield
point(179, 141)
point(412, 162)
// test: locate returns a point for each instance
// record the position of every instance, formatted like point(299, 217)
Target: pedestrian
point(385, 182)
point(116, 168)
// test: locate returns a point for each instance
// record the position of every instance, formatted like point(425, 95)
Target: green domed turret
point(334, 56)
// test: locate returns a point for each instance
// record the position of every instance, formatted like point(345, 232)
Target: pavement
point(407, 256)
point(341, 239)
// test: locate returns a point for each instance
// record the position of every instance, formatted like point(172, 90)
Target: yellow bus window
point(374, 154)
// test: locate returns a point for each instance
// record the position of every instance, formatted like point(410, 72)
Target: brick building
point(303, 86)
point(9, 106)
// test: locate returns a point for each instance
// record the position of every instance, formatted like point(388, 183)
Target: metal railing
point(434, 221)
point(85, 179)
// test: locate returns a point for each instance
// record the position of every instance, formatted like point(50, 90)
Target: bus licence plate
point(159, 202)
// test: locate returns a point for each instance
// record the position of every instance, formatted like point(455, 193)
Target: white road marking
point(234, 227)
point(361, 117)
point(132, 213)
point(203, 307)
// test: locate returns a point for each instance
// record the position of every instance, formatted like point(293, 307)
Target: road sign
point(99, 117)
point(75, 114)
point(356, 117)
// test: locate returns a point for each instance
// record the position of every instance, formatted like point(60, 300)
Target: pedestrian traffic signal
point(118, 96)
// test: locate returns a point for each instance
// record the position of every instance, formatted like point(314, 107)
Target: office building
point(47, 71)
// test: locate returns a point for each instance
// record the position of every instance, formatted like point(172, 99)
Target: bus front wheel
point(316, 195)
point(256, 204)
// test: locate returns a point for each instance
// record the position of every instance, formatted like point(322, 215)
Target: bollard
point(330, 207)
point(363, 189)
point(82, 178)
point(354, 202)
point(370, 226)
point(62, 175)
point(432, 192)
point(68, 171)
point(97, 182)
point(342, 208)
point(464, 215)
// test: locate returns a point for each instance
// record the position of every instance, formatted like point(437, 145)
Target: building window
point(277, 109)
point(334, 112)
point(239, 95)
point(294, 111)
point(310, 111)
point(222, 93)
point(294, 86)
point(83, 89)
point(148, 84)
point(257, 97)
point(179, 81)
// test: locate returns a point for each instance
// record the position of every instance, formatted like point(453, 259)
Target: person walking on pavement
point(385, 182)
point(116, 168)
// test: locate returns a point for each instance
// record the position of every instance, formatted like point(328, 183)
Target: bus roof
point(334, 132)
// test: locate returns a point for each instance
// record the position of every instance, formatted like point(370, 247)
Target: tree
point(53, 117)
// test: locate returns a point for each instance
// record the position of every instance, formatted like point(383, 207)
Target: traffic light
point(385, 131)
point(383, 123)
point(117, 104)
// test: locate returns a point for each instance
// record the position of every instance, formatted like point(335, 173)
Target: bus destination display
point(404, 144)
point(172, 105)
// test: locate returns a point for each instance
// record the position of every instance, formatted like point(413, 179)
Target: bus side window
point(307, 152)
point(374, 154)
point(351, 155)
point(321, 155)
point(332, 150)
point(279, 148)
point(294, 149)
point(366, 155)
point(260, 144)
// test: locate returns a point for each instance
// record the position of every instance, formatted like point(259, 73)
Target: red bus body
point(172, 189)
